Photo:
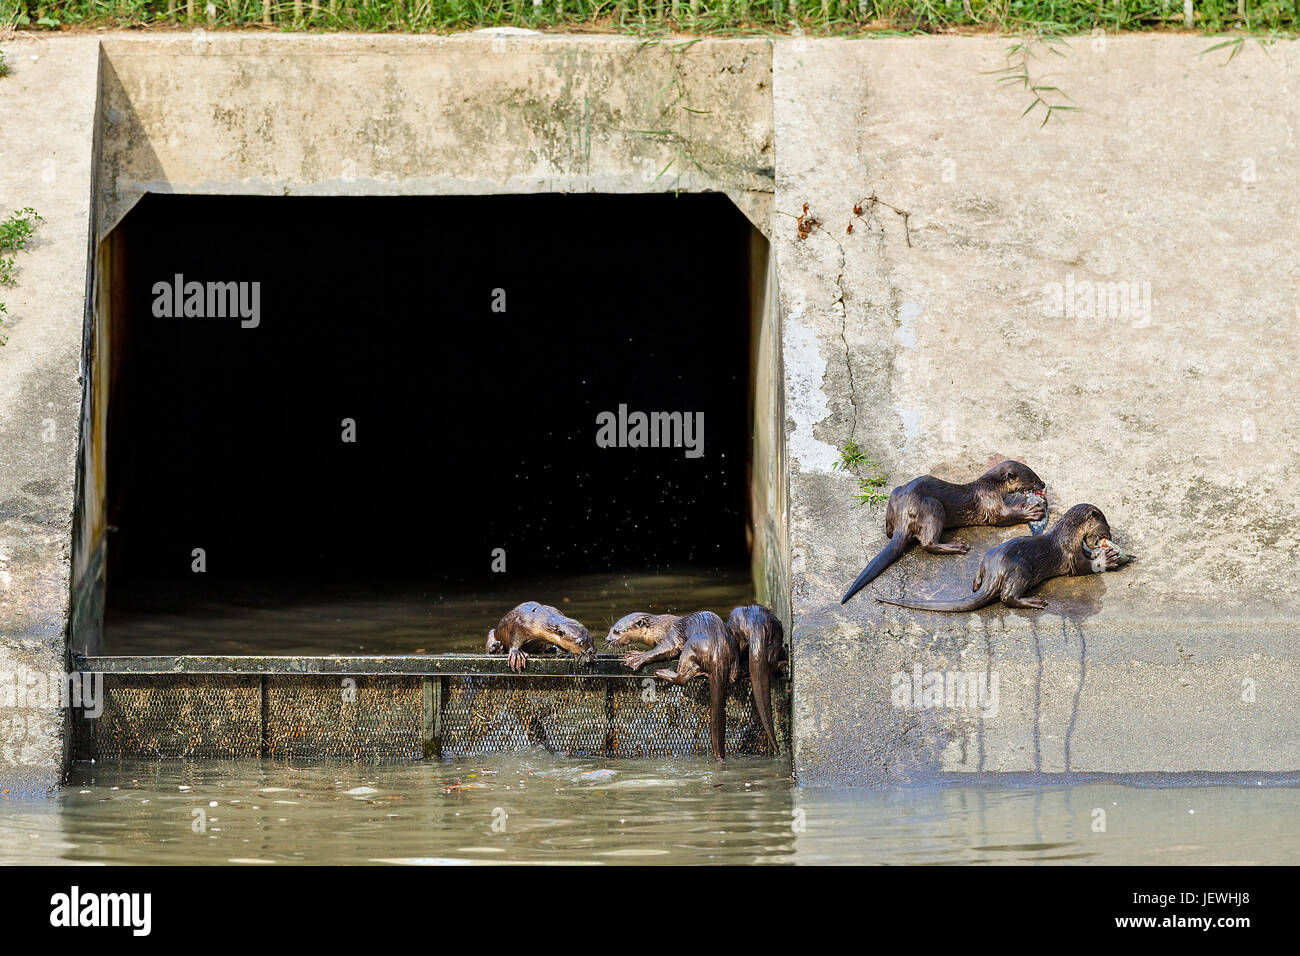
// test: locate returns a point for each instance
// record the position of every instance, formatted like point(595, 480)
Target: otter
point(1017, 566)
point(642, 627)
point(921, 509)
point(709, 649)
point(758, 634)
point(531, 623)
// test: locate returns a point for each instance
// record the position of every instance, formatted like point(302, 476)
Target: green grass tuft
point(871, 479)
point(659, 17)
point(14, 233)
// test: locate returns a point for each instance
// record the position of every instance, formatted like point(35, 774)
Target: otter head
point(1086, 525)
point(495, 646)
point(565, 632)
point(1011, 476)
point(637, 627)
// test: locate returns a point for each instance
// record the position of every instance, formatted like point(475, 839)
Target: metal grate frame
point(386, 709)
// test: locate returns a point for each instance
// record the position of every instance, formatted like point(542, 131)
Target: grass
point(813, 17)
point(14, 233)
point(1020, 57)
point(871, 480)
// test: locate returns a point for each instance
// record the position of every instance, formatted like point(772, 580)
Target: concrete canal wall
point(1110, 297)
point(48, 118)
point(1001, 331)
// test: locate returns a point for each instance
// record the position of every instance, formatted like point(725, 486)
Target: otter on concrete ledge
point(1015, 567)
point(921, 509)
point(533, 623)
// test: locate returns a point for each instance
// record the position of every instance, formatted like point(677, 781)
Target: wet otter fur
point(760, 637)
point(756, 630)
point(1017, 566)
point(711, 650)
point(923, 508)
point(533, 623)
point(642, 627)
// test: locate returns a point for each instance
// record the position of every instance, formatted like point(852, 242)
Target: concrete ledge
point(455, 665)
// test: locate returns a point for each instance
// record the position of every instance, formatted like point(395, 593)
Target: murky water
point(411, 621)
point(535, 808)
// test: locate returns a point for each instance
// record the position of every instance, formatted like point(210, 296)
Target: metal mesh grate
point(594, 717)
point(371, 719)
point(174, 717)
point(403, 717)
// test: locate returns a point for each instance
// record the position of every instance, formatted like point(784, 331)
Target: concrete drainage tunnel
point(378, 445)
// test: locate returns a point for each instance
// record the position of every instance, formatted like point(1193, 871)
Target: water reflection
point(405, 621)
point(532, 808)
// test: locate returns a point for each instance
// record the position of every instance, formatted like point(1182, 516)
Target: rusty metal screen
point(165, 716)
point(326, 709)
point(594, 717)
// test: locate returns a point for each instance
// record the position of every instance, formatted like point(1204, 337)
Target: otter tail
point(760, 683)
point(893, 551)
point(765, 648)
point(986, 595)
point(718, 715)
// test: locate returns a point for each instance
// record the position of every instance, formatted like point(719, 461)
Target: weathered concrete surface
point(47, 121)
point(405, 115)
point(1180, 171)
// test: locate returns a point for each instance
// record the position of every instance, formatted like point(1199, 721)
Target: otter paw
point(634, 661)
point(1104, 559)
point(960, 547)
point(1036, 603)
point(1034, 512)
point(666, 674)
point(518, 660)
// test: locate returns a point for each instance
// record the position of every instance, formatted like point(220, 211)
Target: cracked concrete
point(1016, 325)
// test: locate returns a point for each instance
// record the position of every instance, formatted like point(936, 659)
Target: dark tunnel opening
point(396, 429)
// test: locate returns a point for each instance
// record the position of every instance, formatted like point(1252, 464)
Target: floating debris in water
point(359, 791)
point(597, 775)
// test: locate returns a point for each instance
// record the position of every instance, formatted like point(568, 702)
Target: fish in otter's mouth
point(1101, 542)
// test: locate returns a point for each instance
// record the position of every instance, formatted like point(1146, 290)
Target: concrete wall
point(1180, 173)
point(402, 115)
point(933, 341)
point(47, 144)
point(769, 489)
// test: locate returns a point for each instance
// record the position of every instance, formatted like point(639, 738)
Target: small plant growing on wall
point(1020, 56)
point(871, 479)
point(14, 233)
